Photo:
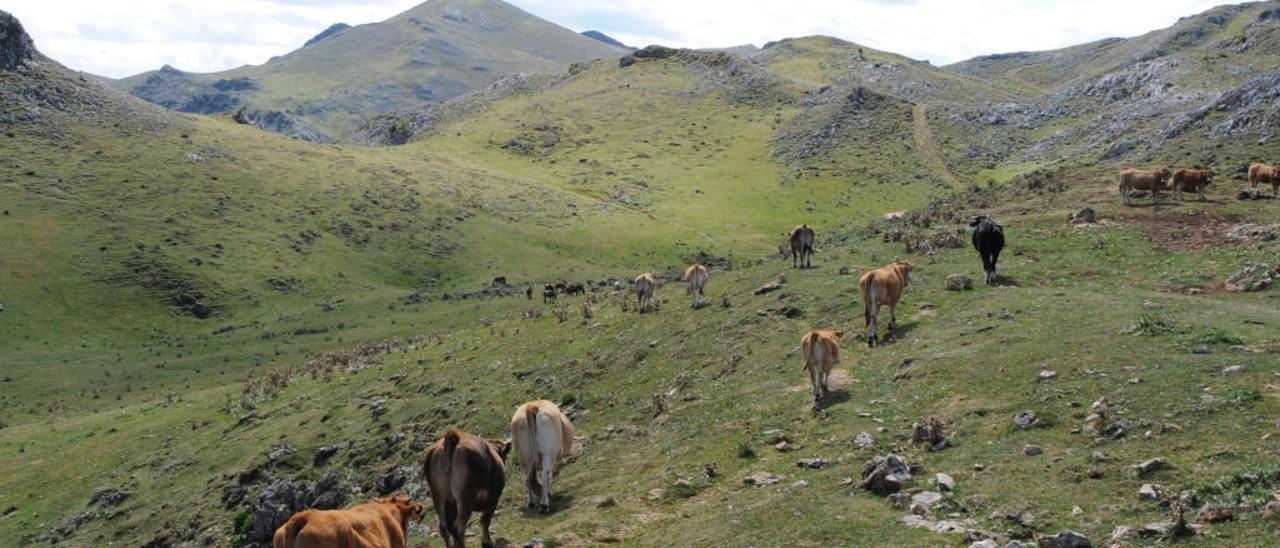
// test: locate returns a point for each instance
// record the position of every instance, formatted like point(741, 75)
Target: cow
point(500, 281)
point(883, 286)
point(1261, 173)
point(542, 435)
point(575, 289)
point(562, 287)
point(988, 239)
point(646, 284)
point(548, 294)
point(801, 246)
point(528, 292)
point(1137, 179)
point(466, 473)
point(696, 277)
point(821, 351)
point(1190, 180)
point(381, 523)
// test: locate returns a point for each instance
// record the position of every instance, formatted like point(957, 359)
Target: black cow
point(988, 239)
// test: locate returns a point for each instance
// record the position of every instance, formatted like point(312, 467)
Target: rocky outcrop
point(332, 30)
point(16, 48)
point(282, 123)
point(597, 35)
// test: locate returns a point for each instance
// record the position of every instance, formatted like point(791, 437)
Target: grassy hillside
point(327, 89)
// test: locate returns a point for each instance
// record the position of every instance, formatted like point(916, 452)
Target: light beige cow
point(542, 435)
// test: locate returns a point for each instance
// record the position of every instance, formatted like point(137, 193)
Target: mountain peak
point(16, 47)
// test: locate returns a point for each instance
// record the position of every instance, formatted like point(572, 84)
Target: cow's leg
point(826, 379)
point(485, 518)
point(875, 314)
point(460, 525)
point(548, 462)
point(531, 482)
point(815, 379)
point(893, 318)
point(995, 258)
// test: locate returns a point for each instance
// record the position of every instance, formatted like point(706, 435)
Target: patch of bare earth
point(1173, 230)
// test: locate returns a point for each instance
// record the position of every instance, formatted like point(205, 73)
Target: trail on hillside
point(928, 148)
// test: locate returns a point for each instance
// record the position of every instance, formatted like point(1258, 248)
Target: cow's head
point(1163, 173)
point(977, 220)
point(501, 446)
point(408, 509)
point(837, 334)
point(905, 268)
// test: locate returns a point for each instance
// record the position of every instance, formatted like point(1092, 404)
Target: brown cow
point(542, 436)
point(696, 276)
point(821, 351)
point(801, 246)
point(1190, 180)
point(883, 286)
point(1137, 179)
point(1261, 173)
point(466, 473)
point(383, 523)
point(646, 284)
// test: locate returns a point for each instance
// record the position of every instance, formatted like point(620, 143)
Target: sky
point(119, 38)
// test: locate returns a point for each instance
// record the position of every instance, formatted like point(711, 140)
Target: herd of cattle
point(1189, 180)
point(467, 473)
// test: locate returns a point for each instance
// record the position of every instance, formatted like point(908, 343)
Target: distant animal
point(1137, 179)
point(1190, 180)
point(528, 292)
point(562, 287)
point(988, 239)
point(542, 435)
point(883, 286)
point(696, 276)
point(645, 285)
point(821, 351)
point(466, 473)
point(500, 281)
point(575, 289)
point(801, 246)
point(381, 523)
point(1261, 173)
point(548, 293)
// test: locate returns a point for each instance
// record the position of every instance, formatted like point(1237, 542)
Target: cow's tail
point(451, 440)
point(868, 293)
point(289, 538)
point(531, 417)
point(806, 348)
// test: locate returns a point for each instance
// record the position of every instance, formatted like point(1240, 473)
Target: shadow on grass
point(832, 398)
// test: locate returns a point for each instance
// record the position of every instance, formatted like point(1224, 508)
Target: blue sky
point(118, 39)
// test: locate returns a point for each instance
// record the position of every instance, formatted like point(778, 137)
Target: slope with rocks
point(326, 89)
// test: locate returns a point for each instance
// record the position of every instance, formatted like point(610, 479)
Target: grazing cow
point(528, 292)
point(562, 287)
point(821, 351)
point(548, 293)
point(801, 246)
point(646, 284)
point(542, 436)
point(988, 239)
point(883, 286)
point(696, 276)
point(575, 289)
point(1137, 179)
point(466, 473)
point(500, 281)
point(1261, 173)
point(1190, 180)
point(381, 523)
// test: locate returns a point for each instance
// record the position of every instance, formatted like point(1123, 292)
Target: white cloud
point(123, 38)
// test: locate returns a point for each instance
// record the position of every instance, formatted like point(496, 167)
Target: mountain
point(597, 35)
point(207, 326)
point(325, 90)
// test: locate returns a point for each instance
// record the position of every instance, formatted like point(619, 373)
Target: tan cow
point(696, 276)
point(1137, 179)
point(883, 286)
point(646, 284)
point(542, 436)
point(1261, 173)
point(821, 351)
point(383, 523)
point(1190, 180)
point(466, 473)
point(801, 246)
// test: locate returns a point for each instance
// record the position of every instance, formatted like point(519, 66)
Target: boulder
point(1026, 420)
point(16, 47)
point(885, 475)
point(1152, 491)
point(959, 282)
point(1032, 450)
point(1253, 277)
point(945, 482)
point(1083, 217)
point(761, 479)
point(1065, 539)
point(1149, 467)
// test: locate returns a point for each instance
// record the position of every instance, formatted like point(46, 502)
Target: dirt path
point(927, 146)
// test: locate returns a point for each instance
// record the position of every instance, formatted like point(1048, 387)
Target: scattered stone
point(959, 282)
point(864, 440)
point(1253, 277)
point(1096, 422)
point(1122, 534)
point(1272, 509)
point(1094, 472)
point(761, 479)
point(1032, 450)
point(945, 482)
point(930, 433)
point(1026, 420)
point(899, 501)
point(1149, 467)
point(1215, 514)
point(109, 497)
point(784, 446)
point(1202, 349)
point(938, 525)
point(1085, 216)
point(925, 500)
point(813, 463)
point(1048, 374)
point(768, 288)
point(1253, 194)
point(885, 475)
point(985, 543)
point(323, 454)
point(1065, 539)
point(1152, 491)
point(1232, 370)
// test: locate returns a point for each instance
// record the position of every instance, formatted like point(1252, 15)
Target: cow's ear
point(418, 511)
